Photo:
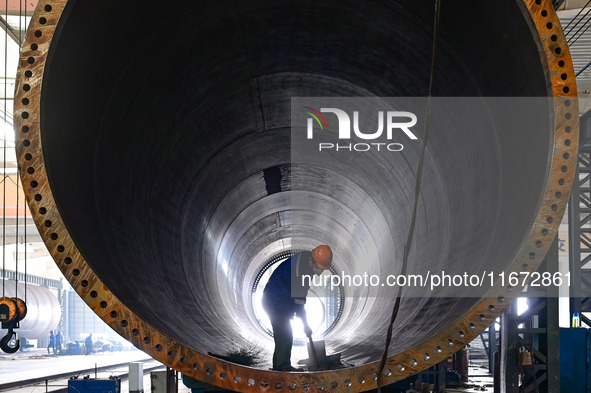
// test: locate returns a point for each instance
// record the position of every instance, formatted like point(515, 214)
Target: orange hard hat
point(322, 256)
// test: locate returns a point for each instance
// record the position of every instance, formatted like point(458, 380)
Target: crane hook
point(5, 341)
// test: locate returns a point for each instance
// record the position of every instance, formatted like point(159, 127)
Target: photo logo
point(394, 123)
point(315, 115)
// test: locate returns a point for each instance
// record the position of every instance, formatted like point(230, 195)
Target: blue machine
point(111, 385)
point(575, 350)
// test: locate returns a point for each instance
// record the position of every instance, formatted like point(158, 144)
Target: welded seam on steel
point(554, 51)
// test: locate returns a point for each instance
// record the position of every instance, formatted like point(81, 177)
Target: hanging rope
point(21, 17)
point(16, 237)
point(4, 159)
point(26, 245)
point(5, 146)
point(411, 230)
point(25, 203)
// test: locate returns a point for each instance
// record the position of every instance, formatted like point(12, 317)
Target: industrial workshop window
point(324, 305)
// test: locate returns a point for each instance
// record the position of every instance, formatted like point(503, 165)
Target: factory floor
point(34, 367)
point(61, 386)
point(479, 380)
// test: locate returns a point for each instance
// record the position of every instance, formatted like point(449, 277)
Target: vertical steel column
point(492, 347)
point(544, 344)
point(509, 371)
point(579, 220)
point(549, 343)
point(63, 301)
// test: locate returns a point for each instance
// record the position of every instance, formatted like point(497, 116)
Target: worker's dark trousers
point(282, 334)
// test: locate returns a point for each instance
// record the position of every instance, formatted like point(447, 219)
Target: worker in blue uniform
point(285, 295)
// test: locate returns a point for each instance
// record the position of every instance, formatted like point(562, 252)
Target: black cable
point(4, 150)
point(16, 238)
point(408, 244)
point(26, 246)
point(588, 24)
point(573, 19)
point(18, 207)
point(582, 26)
point(582, 19)
point(25, 203)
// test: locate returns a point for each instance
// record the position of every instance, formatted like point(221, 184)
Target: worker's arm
point(301, 313)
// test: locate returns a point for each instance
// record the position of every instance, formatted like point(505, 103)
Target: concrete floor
point(35, 364)
point(60, 385)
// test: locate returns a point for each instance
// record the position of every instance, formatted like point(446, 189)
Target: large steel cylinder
point(146, 132)
point(43, 310)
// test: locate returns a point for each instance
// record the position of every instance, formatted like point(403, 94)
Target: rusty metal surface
point(431, 350)
point(12, 308)
point(21, 307)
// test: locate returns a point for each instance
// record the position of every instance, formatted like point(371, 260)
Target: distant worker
point(51, 343)
point(88, 344)
point(58, 342)
point(285, 295)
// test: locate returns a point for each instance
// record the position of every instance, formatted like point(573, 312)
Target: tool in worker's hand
point(313, 353)
point(317, 357)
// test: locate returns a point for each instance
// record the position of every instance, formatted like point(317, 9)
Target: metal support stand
point(172, 380)
point(435, 376)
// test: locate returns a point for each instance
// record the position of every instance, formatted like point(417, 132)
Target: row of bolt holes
point(557, 50)
point(567, 142)
point(223, 375)
point(292, 386)
point(26, 142)
point(38, 197)
point(321, 386)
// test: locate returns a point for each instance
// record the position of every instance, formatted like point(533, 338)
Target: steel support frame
point(15, 36)
point(492, 346)
point(436, 374)
point(579, 223)
point(542, 339)
point(30, 279)
point(62, 299)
